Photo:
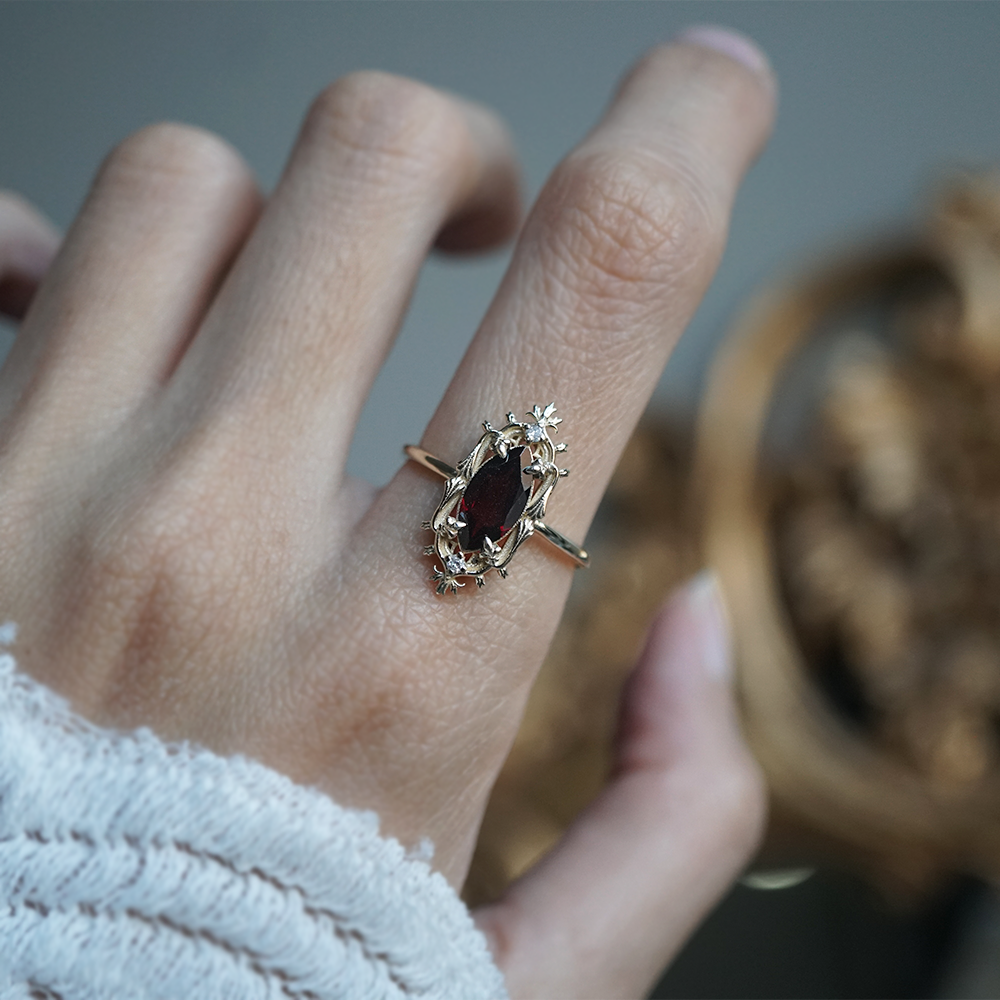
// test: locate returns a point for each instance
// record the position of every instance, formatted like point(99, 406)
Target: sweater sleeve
point(133, 869)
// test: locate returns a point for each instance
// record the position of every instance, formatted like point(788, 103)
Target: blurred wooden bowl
point(836, 793)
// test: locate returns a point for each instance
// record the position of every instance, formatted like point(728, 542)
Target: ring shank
point(580, 556)
point(428, 461)
point(553, 537)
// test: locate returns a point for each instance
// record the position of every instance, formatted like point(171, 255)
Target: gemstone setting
point(455, 563)
point(493, 499)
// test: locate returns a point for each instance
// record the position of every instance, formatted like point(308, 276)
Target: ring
point(487, 512)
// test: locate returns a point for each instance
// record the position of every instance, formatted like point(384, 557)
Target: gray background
point(877, 100)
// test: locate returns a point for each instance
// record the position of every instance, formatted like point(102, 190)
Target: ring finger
point(611, 264)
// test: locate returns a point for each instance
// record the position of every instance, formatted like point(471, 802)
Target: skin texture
point(183, 550)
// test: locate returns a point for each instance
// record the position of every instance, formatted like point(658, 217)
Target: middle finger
point(296, 336)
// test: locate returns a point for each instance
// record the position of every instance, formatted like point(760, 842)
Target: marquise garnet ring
point(495, 499)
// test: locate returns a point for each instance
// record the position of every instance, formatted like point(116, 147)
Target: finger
point(381, 167)
point(166, 213)
point(609, 268)
point(614, 260)
point(611, 265)
point(604, 913)
point(28, 242)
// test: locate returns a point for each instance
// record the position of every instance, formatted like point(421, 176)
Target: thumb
point(605, 911)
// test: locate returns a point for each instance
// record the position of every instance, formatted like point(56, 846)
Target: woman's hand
point(182, 548)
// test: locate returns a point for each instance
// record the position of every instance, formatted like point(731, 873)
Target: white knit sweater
point(134, 869)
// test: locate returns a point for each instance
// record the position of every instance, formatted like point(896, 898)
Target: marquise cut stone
point(493, 501)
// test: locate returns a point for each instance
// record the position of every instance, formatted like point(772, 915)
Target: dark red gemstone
point(493, 501)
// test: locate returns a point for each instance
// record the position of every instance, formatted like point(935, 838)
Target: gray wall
point(877, 99)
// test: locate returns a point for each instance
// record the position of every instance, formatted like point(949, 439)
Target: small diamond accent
point(455, 563)
point(534, 433)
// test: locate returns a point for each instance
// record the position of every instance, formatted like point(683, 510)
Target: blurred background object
point(876, 99)
point(858, 543)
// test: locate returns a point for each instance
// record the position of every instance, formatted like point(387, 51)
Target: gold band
point(553, 537)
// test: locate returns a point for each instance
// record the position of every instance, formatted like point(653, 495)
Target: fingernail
point(708, 610)
point(729, 43)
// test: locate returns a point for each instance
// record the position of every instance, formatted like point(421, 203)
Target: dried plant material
point(887, 528)
point(931, 320)
point(846, 593)
point(869, 414)
point(888, 542)
point(947, 740)
point(973, 667)
point(968, 226)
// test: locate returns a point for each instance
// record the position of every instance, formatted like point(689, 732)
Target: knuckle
point(169, 546)
point(625, 224)
point(173, 156)
point(150, 550)
point(395, 125)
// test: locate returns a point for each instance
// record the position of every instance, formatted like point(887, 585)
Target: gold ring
point(487, 512)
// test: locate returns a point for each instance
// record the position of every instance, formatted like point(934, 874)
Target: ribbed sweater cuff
point(131, 868)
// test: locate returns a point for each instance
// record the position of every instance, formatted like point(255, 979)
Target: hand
point(181, 546)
